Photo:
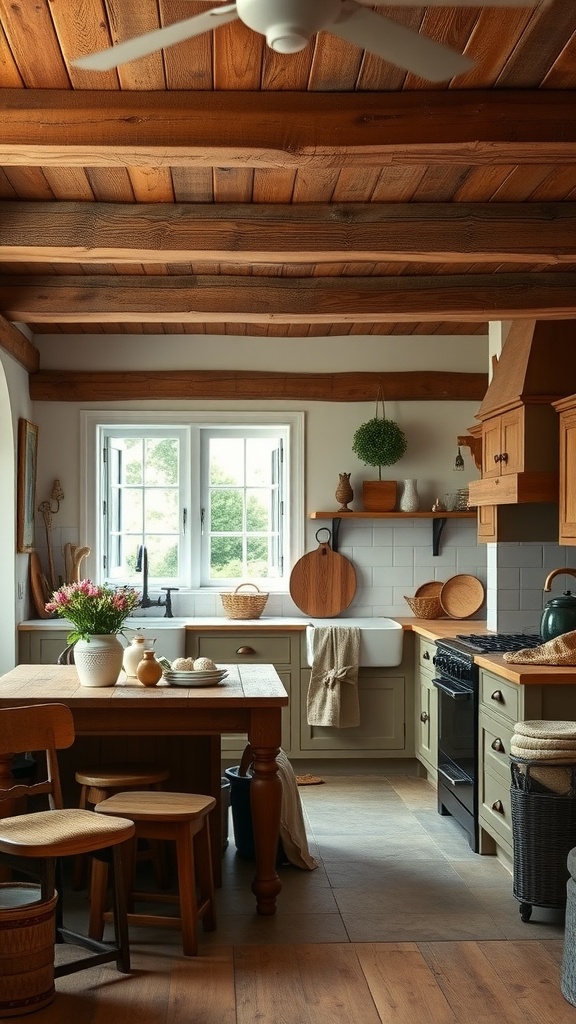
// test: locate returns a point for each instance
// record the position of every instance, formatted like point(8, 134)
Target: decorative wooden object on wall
point(27, 456)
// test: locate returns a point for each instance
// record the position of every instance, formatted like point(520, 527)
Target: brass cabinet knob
point(498, 806)
point(424, 716)
point(497, 696)
point(498, 745)
point(426, 656)
point(245, 650)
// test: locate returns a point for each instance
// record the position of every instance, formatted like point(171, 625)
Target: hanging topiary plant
point(379, 442)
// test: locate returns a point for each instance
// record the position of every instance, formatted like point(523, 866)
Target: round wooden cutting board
point(322, 583)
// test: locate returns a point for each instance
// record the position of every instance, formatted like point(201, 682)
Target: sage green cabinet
point(502, 704)
point(249, 646)
point(41, 646)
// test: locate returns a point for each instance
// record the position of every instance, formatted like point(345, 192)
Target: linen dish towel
point(551, 743)
point(292, 827)
point(559, 651)
point(332, 698)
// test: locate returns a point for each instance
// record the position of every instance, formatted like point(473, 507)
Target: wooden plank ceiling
point(217, 187)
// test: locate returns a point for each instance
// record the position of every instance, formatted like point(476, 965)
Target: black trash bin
point(240, 777)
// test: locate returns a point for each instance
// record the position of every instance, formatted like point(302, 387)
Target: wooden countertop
point(522, 675)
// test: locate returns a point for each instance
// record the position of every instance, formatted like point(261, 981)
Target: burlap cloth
point(559, 651)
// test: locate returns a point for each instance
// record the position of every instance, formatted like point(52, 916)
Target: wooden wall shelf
point(439, 520)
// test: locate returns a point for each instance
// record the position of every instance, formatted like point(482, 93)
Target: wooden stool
point(183, 818)
point(102, 781)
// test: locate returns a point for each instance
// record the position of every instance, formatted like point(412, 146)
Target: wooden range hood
point(520, 429)
point(537, 364)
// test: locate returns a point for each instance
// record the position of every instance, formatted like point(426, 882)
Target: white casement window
point(214, 500)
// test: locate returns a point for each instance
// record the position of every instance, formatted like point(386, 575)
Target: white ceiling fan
point(288, 26)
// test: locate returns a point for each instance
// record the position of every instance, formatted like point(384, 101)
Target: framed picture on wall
point(27, 457)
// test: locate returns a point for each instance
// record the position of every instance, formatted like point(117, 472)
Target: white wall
point(391, 557)
point(14, 403)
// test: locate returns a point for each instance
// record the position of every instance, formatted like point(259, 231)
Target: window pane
point(162, 556)
point(133, 462)
point(162, 461)
point(258, 460)
point(132, 511)
point(226, 511)
point(226, 558)
point(257, 557)
point(226, 460)
point(257, 511)
point(162, 510)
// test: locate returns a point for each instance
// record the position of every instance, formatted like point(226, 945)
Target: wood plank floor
point(399, 924)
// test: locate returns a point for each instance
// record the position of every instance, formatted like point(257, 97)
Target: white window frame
point(91, 425)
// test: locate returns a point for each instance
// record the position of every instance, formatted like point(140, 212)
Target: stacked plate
point(205, 677)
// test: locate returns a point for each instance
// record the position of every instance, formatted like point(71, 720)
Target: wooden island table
point(248, 701)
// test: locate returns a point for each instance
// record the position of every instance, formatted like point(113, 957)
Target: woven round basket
point(425, 607)
point(244, 606)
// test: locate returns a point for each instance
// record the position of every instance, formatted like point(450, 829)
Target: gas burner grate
point(500, 641)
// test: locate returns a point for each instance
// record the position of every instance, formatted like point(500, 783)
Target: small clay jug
point(149, 671)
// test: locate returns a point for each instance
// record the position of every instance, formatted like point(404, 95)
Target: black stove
point(456, 679)
point(496, 642)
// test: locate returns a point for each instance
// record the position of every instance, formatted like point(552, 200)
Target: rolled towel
point(539, 754)
point(559, 651)
point(549, 730)
point(534, 743)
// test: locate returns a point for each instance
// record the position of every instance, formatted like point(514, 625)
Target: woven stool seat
point(61, 833)
point(183, 818)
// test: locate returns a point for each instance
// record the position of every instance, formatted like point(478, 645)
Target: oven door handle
point(453, 690)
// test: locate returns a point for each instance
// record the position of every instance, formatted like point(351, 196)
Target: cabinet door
point(234, 743)
point(382, 718)
point(568, 477)
point(39, 647)
point(512, 442)
point(487, 523)
point(491, 448)
point(427, 726)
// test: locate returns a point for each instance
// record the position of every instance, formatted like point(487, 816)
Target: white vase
point(98, 660)
point(410, 500)
point(133, 656)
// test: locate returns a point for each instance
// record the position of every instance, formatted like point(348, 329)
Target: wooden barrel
point(26, 949)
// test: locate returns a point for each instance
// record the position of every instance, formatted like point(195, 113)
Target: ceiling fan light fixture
point(287, 38)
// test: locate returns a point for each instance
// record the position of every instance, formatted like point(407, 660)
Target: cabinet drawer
point(496, 806)
point(500, 696)
point(495, 744)
point(425, 653)
point(245, 647)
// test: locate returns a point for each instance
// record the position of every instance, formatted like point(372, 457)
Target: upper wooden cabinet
point(519, 426)
point(567, 498)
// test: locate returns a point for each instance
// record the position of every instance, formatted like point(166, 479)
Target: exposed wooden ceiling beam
point(285, 129)
point(17, 345)
point(543, 233)
point(82, 386)
point(102, 299)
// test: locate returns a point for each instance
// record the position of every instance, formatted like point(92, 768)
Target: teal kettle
point(559, 615)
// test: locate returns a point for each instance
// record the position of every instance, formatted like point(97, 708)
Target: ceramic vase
point(98, 660)
point(149, 671)
point(409, 500)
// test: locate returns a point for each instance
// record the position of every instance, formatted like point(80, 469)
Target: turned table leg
point(265, 802)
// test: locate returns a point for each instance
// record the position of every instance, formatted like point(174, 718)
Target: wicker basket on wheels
point(543, 832)
point(244, 606)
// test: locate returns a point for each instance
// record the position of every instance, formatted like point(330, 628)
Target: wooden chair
point(32, 843)
point(182, 818)
point(101, 781)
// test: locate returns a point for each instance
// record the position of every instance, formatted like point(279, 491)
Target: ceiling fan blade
point(458, 3)
point(140, 46)
point(398, 44)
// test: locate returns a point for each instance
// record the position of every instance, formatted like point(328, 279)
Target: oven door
point(457, 739)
